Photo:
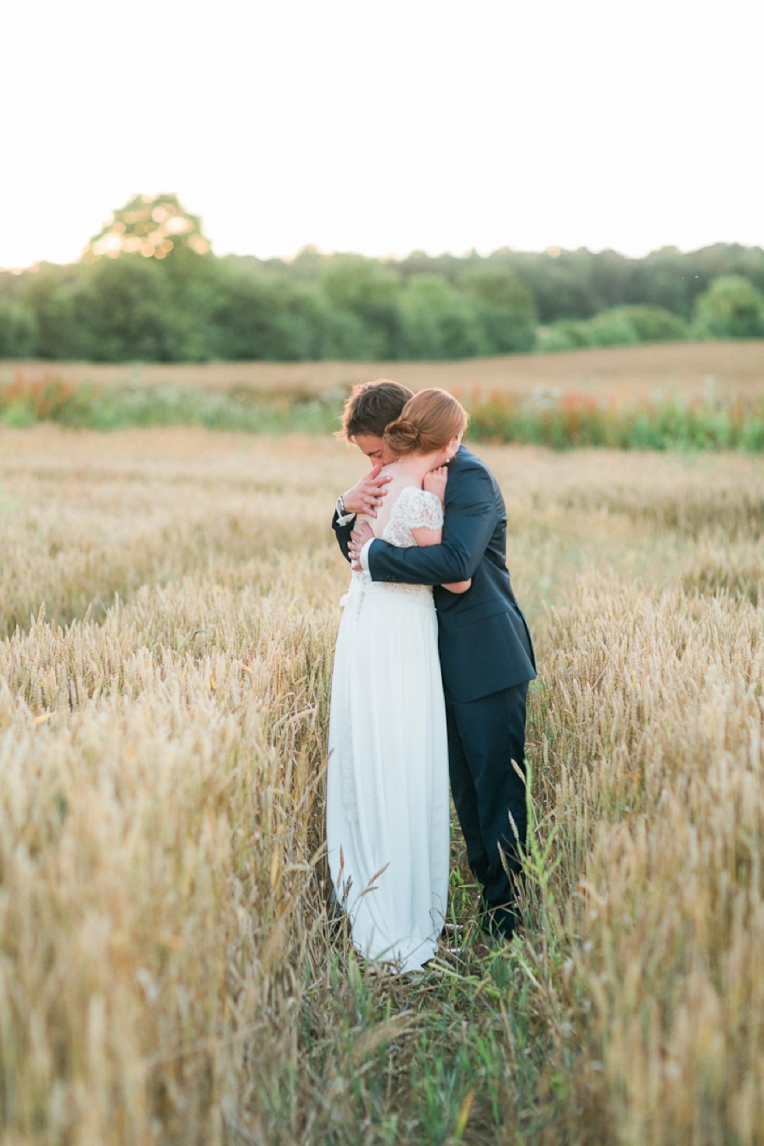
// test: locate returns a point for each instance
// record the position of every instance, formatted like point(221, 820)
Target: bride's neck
point(416, 466)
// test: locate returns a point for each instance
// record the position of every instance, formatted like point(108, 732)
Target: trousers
point(485, 736)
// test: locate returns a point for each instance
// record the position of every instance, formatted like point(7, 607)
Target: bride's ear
point(453, 445)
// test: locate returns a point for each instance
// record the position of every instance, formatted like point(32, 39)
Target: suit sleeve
point(342, 533)
point(469, 522)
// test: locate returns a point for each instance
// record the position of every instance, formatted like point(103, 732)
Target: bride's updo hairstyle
point(427, 423)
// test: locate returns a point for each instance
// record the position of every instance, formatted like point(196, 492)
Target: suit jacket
point(483, 637)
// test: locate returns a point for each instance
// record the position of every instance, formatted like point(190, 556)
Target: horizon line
point(553, 251)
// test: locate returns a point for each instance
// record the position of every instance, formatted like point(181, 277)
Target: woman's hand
point(435, 482)
point(458, 586)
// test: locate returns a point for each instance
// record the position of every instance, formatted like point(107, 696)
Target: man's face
point(376, 449)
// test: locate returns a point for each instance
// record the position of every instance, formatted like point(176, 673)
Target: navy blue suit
point(487, 660)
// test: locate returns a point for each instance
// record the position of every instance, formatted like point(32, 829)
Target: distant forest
point(149, 288)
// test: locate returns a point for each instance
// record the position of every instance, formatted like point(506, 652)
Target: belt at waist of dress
point(362, 586)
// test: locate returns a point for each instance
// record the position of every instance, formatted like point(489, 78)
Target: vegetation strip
point(546, 418)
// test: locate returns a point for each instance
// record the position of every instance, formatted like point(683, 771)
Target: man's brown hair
point(372, 406)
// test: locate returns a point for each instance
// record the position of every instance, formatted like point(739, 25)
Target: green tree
point(562, 283)
point(438, 321)
point(364, 293)
point(505, 308)
point(149, 287)
point(259, 315)
point(50, 296)
point(126, 311)
point(18, 331)
point(152, 227)
point(732, 307)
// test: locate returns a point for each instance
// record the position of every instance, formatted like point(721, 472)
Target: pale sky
point(385, 127)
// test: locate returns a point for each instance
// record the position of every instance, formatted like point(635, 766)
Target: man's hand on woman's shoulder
point(366, 495)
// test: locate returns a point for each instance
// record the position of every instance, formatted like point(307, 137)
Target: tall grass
point(575, 420)
point(24, 402)
point(169, 971)
point(547, 418)
point(650, 733)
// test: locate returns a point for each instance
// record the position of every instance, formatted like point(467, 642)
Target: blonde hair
point(427, 423)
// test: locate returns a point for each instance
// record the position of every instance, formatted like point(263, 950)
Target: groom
point(485, 647)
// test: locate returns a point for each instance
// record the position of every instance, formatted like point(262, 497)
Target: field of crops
point(690, 370)
point(169, 972)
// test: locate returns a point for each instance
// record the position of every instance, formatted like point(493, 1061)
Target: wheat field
point(169, 972)
point(693, 371)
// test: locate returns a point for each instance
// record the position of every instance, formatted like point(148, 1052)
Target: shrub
point(654, 323)
point(563, 335)
point(620, 326)
point(732, 307)
point(612, 328)
point(17, 331)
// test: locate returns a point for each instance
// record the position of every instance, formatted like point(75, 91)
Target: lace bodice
point(413, 509)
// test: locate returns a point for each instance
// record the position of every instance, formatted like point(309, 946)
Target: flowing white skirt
point(387, 780)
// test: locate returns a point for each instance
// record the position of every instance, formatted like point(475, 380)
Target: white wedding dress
point(387, 779)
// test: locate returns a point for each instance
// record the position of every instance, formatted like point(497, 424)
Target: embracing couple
point(431, 672)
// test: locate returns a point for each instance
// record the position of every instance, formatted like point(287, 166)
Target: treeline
point(150, 297)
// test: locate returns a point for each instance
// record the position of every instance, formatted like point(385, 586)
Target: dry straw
point(169, 972)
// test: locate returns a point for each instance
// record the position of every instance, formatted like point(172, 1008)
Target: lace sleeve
point(422, 510)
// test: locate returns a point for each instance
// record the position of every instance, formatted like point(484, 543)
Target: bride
point(387, 780)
